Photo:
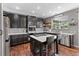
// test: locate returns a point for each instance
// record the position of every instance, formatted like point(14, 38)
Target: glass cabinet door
point(60, 24)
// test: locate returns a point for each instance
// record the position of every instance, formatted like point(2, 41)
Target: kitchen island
point(39, 40)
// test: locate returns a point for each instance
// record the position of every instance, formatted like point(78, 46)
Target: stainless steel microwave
point(32, 28)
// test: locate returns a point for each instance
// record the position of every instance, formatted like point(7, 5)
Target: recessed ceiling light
point(43, 14)
point(50, 11)
point(17, 8)
point(59, 7)
point(54, 13)
point(38, 7)
point(33, 11)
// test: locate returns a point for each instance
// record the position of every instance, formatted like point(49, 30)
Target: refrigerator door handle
point(0, 32)
point(7, 40)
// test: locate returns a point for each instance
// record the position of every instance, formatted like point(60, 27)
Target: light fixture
point(33, 11)
point(59, 7)
point(43, 14)
point(50, 11)
point(38, 7)
point(17, 8)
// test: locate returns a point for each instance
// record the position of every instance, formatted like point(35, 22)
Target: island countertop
point(42, 38)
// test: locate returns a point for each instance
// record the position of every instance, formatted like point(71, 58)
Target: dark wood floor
point(24, 50)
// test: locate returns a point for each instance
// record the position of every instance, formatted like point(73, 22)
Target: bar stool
point(59, 38)
point(50, 46)
point(60, 35)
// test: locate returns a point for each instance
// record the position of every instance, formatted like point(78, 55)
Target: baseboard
point(64, 45)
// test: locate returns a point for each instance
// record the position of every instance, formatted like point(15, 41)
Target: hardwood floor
point(21, 50)
point(65, 51)
point(24, 50)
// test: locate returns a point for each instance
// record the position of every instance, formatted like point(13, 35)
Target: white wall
point(78, 27)
point(0, 29)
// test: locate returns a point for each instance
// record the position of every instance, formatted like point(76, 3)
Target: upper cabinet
point(66, 20)
point(60, 24)
point(39, 23)
point(31, 21)
point(17, 21)
point(47, 23)
point(34, 23)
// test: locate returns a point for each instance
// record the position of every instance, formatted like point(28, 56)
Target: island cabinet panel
point(18, 39)
point(37, 48)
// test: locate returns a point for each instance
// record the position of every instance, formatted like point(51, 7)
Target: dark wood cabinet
point(22, 21)
point(18, 39)
point(17, 21)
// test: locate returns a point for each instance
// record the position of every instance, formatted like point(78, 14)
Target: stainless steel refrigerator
point(6, 25)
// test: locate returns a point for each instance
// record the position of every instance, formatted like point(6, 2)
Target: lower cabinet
point(67, 40)
point(18, 39)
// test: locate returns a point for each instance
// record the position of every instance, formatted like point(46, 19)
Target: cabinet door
point(11, 17)
point(62, 39)
point(17, 21)
point(65, 40)
point(14, 20)
point(22, 21)
point(17, 39)
point(31, 21)
point(39, 23)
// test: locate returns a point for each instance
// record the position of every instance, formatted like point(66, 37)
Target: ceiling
point(39, 9)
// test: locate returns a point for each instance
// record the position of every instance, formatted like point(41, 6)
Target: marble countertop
point(65, 33)
point(16, 33)
point(68, 33)
point(42, 38)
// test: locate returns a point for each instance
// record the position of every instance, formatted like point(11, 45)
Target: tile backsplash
point(23, 30)
point(39, 30)
point(17, 30)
